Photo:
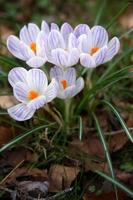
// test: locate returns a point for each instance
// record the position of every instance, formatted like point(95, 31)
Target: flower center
point(33, 46)
point(94, 50)
point(33, 94)
point(64, 83)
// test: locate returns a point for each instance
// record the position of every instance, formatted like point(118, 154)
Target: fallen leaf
point(13, 157)
point(61, 177)
point(106, 196)
point(126, 20)
point(7, 101)
point(21, 173)
point(117, 141)
point(6, 134)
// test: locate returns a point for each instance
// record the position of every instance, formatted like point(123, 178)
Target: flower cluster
point(62, 46)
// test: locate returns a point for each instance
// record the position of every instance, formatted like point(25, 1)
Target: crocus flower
point(60, 45)
point(94, 46)
point(29, 46)
point(68, 86)
point(31, 89)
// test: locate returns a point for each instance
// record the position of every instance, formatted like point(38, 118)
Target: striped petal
point(66, 29)
point(73, 57)
point(37, 80)
point(20, 112)
point(36, 62)
point(60, 57)
point(17, 74)
point(100, 55)
point(99, 36)
point(81, 29)
point(45, 27)
point(85, 43)
point(13, 45)
point(113, 48)
point(70, 76)
point(29, 33)
point(40, 45)
point(20, 91)
point(51, 91)
point(55, 40)
point(26, 51)
point(54, 26)
point(37, 103)
point(74, 89)
point(87, 60)
point(72, 41)
point(57, 73)
point(69, 91)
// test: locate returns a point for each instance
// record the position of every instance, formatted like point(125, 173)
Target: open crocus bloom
point(94, 46)
point(68, 86)
point(30, 46)
point(31, 89)
point(60, 45)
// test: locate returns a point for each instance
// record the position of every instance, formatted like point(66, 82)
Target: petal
point(26, 51)
point(100, 55)
point(29, 33)
point(72, 41)
point(20, 91)
point(69, 91)
point(55, 40)
point(20, 112)
point(40, 45)
point(70, 76)
point(60, 57)
point(84, 43)
point(17, 74)
point(13, 45)
point(51, 91)
point(87, 60)
point(57, 73)
point(73, 57)
point(37, 80)
point(81, 29)
point(75, 89)
point(99, 36)
point(113, 48)
point(36, 62)
point(45, 27)
point(54, 26)
point(79, 86)
point(37, 103)
point(66, 29)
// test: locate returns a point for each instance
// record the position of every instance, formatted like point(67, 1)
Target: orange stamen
point(33, 46)
point(94, 50)
point(33, 95)
point(64, 83)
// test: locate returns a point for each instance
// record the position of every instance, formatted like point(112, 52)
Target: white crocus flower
point(31, 89)
point(94, 46)
point(68, 86)
point(60, 45)
point(29, 46)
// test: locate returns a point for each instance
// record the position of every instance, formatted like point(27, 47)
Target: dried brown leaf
point(7, 101)
point(61, 177)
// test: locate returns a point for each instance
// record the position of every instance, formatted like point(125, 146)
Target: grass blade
point(117, 15)
point(100, 12)
point(123, 124)
point(80, 128)
point(20, 137)
point(117, 183)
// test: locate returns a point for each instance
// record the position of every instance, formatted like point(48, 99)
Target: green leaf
point(117, 183)
point(123, 124)
point(20, 137)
